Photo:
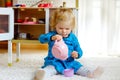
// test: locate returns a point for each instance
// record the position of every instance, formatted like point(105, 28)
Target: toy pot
point(19, 20)
point(60, 50)
point(68, 72)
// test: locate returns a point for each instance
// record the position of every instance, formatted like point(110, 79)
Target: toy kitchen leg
point(9, 53)
point(18, 52)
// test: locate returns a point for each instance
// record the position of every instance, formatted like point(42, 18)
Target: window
point(99, 26)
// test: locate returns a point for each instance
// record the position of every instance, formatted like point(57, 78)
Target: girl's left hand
point(75, 54)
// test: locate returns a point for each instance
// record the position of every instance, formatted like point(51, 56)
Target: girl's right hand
point(56, 37)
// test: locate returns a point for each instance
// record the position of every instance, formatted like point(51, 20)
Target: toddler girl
point(63, 22)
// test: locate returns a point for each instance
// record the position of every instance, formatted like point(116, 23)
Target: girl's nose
point(63, 30)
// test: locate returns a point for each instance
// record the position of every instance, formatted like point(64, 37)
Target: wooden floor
point(3, 51)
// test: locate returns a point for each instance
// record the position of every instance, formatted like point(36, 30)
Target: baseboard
point(4, 45)
point(32, 46)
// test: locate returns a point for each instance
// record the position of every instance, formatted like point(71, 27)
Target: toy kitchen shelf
point(29, 23)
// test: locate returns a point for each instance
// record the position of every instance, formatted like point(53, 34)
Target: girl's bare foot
point(40, 74)
point(96, 73)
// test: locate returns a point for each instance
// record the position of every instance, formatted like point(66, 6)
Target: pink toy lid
point(60, 50)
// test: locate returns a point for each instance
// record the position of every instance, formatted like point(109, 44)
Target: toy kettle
point(60, 50)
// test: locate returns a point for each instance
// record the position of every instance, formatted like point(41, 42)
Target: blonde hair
point(62, 15)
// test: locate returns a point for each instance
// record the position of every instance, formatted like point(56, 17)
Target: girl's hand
point(56, 37)
point(75, 54)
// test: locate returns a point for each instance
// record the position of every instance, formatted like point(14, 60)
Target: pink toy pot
point(60, 50)
point(69, 72)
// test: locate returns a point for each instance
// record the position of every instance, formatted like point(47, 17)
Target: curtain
point(99, 27)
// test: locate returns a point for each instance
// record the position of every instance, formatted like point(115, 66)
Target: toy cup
point(69, 72)
point(60, 50)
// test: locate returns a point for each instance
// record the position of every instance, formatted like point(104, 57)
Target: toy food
point(60, 50)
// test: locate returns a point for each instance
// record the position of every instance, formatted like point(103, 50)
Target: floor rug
point(29, 63)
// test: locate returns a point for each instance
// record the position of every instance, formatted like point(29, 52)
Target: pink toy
point(60, 50)
point(29, 22)
point(69, 72)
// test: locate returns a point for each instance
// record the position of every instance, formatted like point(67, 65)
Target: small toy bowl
point(69, 72)
point(19, 20)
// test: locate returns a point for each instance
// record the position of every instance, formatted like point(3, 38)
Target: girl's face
point(63, 29)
